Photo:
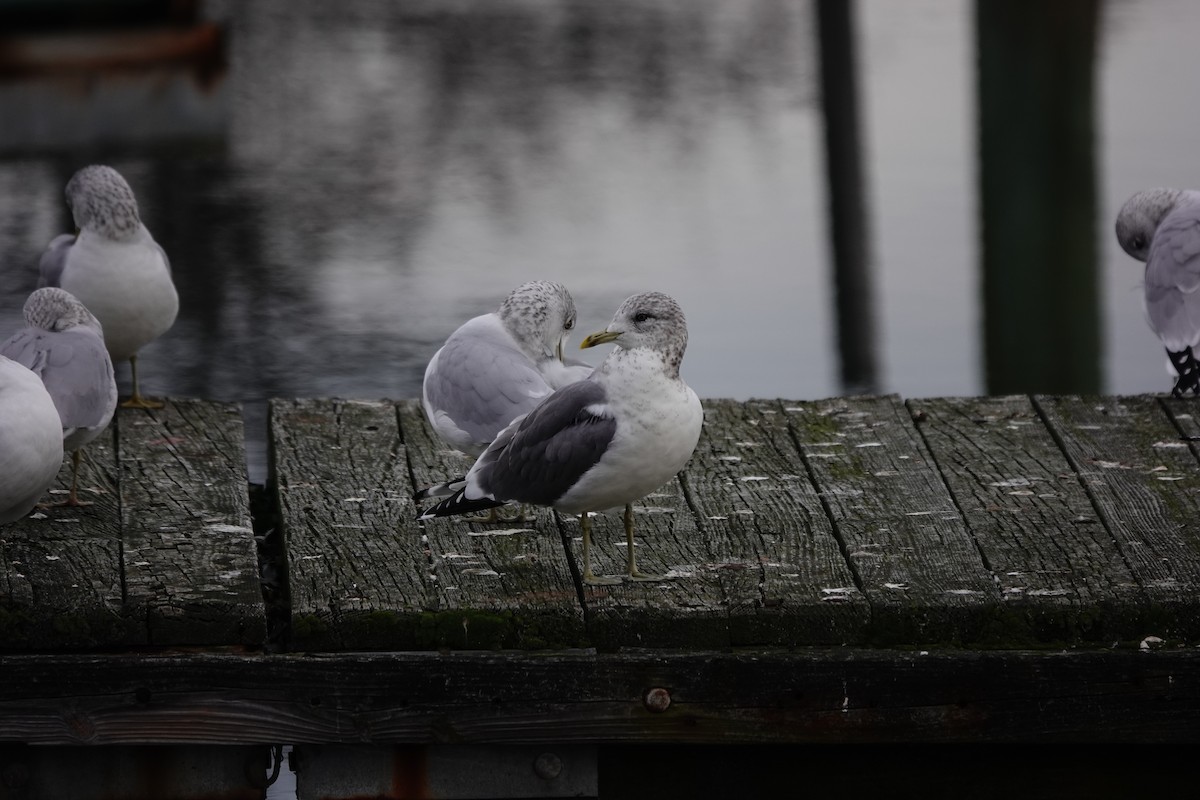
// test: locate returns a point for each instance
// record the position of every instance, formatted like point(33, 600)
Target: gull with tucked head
point(498, 366)
point(601, 442)
point(63, 344)
point(114, 267)
point(1162, 228)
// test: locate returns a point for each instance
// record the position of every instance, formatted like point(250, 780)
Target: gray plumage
point(31, 445)
point(560, 440)
point(1162, 228)
point(63, 344)
point(498, 366)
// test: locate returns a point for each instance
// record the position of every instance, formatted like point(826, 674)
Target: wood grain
point(189, 558)
point(1060, 572)
point(359, 576)
point(1143, 480)
point(61, 582)
point(501, 585)
point(813, 695)
point(906, 541)
point(773, 547)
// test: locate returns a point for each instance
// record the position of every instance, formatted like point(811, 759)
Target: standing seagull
point(1162, 228)
point(601, 442)
point(31, 442)
point(63, 344)
point(498, 366)
point(115, 268)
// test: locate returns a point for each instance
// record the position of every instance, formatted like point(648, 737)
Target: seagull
point(600, 442)
point(31, 440)
point(498, 366)
point(114, 267)
point(1162, 228)
point(63, 344)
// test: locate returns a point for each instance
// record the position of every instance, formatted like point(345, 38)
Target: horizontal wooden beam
point(583, 697)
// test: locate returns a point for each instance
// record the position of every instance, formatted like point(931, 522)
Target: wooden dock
point(1014, 569)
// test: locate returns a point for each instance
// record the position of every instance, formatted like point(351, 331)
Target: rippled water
point(385, 171)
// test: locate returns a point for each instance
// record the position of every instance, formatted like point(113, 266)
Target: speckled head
point(540, 315)
point(650, 320)
point(53, 309)
point(102, 201)
point(1139, 218)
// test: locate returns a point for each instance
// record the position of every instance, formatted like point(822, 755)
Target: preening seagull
point(114, 267)
point(31, 440)
point(498, 366)
point(1162, 228)
point(63, 344)
point(601, 442)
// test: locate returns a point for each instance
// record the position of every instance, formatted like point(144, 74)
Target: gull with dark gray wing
point(601, 442)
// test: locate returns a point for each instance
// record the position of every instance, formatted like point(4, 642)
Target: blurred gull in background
point(114, 267)
point(1162, 228)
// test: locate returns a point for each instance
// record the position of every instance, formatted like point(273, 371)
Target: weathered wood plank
point(60, 567)
point(366, 574)
point(812, 695)
point(359, 576)
point(500, 585)
point(189, 555)
point(1060, 572)
point(773, 545)
point(908, 546)
point(687, 610)
point(1143, 479)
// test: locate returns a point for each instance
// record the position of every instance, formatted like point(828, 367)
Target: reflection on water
point(387, 170)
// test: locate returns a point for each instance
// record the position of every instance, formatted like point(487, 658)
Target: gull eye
point(570, 325)
point(641, 316)
point(1139, 242)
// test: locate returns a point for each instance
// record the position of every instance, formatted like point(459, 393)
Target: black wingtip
point(458, 504)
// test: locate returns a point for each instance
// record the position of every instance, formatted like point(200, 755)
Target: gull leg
point(137, 401)
point(72, 498)
point(630, 560)
point(588, 577)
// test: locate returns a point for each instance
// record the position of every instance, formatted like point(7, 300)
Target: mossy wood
point(163, 556)
point(983, 522)
point(1060, 573)
point(365, 574)
point(1141, 474)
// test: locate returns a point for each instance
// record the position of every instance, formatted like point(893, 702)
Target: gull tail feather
point(458, 503)
point(440, 490)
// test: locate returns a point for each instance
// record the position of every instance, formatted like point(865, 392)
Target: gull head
point(1139, 218)
point(101, 201)
point(540, 315)
point(54, 309)
point(651, 320)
